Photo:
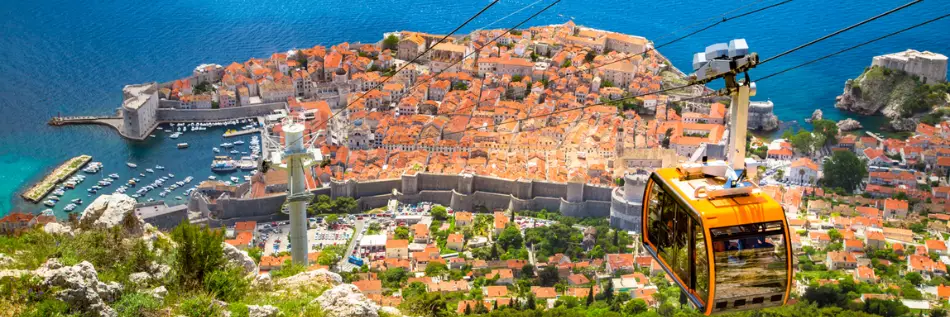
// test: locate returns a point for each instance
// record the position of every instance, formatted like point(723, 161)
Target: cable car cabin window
point(750, 265)
point(670, 232)
point(701, 261)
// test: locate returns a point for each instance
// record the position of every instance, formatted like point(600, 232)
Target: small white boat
point(178, 197)
point(182, 145)
point(234, 179)
point(171, 175)
point(114, 176)
point(142, 174)
point(49, 203)
point(212, 177)
point(69, 207)
point(216, 150)
point(238, 142)
point(150, 170)
point(77, 201)
point(159, 167)
point(132, 165)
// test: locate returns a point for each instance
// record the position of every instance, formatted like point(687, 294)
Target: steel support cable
point(868, 20)
point(415, 58)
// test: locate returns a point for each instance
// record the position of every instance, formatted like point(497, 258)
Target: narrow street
point(344, 265)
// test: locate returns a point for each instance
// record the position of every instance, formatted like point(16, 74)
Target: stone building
point(930, 67)
point(761, 116)
point(139, 105)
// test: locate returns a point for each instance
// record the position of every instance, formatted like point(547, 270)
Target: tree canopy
point(844, 170)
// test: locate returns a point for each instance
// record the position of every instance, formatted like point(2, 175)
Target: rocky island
point(902, 86)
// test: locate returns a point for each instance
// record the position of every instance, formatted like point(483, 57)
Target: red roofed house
point(14, 222)
point(369, 286)
point(853, 245)
point(495, 291)
point(803, 171)
point(924, 265)
point(936, 246)
point(619, 262)
point(865, 274)
point(397, 249)
point(876, 240)
point(577, 279)
point(894, 208)
point(838, 260)
point(455, 241)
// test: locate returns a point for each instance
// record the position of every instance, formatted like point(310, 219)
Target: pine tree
point(468, 309)
point(530, 304)
point(590, 295)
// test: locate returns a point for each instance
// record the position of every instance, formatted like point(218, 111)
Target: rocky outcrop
point(107, 211)
point(346, 301)
point(815, 116)
point(319, 278)
point(240, 258)
point(80, 288)
point(262, 311)
point(903, 124)
point(57, 228)
point(159, 293)
point(391, 311)
point(877, 91)
point(849, 125)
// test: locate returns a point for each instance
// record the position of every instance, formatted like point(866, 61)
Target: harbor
point(165, 167)
point(36, 193)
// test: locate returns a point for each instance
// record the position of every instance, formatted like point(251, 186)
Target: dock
point(241, 132)
point(67, 169)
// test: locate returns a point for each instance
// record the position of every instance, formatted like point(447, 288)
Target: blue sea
point(73, 57)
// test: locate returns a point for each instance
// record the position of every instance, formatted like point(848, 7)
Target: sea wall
point(186, 115)
point(461, 192)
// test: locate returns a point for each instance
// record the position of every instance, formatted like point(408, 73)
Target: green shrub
point(48, 308)
point(137, 305)
point(238, 310)
point(200, 306)
point(227, 284)
point(199, 254)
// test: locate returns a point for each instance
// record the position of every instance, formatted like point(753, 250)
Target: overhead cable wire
point(459, 27)
point(460, 60)
point(853, 47)
point(868, 20)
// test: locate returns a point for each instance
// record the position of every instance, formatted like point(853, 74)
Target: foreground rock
point(107, 211)
point(240, 258)
point(318, 278)
point(347, 301)
point(57, 228)
point(80, 287)
point(849, 125)
point(262, 311)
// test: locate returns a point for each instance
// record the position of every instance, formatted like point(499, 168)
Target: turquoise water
point(73, 57)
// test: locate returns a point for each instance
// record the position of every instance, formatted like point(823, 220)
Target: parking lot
point(275, 236)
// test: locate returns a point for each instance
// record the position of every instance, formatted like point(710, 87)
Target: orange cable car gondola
point(723, 241)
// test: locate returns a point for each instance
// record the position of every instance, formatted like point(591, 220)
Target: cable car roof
point(722, 211)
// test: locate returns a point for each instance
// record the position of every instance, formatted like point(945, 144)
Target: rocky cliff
point(878, 90)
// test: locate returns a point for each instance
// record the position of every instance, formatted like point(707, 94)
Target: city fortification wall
point(185, 115)
point(461, 192)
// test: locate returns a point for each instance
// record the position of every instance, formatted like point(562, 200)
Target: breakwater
point(39, 190)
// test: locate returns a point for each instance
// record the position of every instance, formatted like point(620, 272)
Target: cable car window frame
point(679, 206)
point(740, 233)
